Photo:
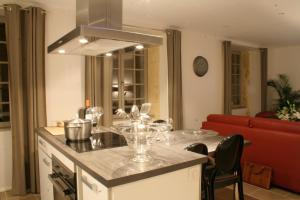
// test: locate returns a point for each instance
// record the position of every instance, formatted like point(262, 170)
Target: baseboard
point(5, 188)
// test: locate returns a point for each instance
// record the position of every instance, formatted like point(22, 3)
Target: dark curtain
point(227, 77)
point(26, 54)
point(175, 77)
point(98, 85)
point(264, 77)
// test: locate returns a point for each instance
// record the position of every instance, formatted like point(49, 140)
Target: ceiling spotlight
point(108, 54)
point(139, 47)
point(61, 51)
point(83, 40)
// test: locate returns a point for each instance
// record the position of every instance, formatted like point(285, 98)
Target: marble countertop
point(112, 166)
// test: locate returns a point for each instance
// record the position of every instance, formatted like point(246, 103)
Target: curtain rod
point(26, 9)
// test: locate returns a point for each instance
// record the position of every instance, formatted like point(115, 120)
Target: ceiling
point(260, 22)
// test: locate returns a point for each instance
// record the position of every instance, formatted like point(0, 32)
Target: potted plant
point(289, 99)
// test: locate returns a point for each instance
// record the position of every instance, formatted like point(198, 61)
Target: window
point(129, 78)
point(236, 93)
point(4, 85)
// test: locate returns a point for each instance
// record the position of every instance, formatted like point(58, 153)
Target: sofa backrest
point(275, 124)
point(229, 119)
point(256, 122)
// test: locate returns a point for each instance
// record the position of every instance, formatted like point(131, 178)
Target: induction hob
point(97, 141)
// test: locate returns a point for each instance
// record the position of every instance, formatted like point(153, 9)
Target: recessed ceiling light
point(61, 51)
point(108, 54)
point(139, 47)
point(83, 40)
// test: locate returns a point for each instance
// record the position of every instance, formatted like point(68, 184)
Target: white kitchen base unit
point(45, 165)
point(109, 175)
point(177, 185)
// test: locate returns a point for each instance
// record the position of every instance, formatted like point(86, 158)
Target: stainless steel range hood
point(99, 31)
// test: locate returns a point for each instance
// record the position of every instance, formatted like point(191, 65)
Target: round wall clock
point(200, 66)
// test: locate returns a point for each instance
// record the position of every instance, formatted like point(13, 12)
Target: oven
point(63, 180)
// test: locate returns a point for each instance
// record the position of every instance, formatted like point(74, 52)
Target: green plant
point(287, 96)
point(288, 113)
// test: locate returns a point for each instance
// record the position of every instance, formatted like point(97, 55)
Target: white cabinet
point(45, 165)
point(90, 188)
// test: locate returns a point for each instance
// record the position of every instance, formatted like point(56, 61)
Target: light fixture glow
point(83, 40)
point(139, 47)
point(108, 54)
point(61, 51)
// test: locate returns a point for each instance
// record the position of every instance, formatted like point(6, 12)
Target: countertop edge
point(123, 180)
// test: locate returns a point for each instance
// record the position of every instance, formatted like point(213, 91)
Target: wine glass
point(97, 113)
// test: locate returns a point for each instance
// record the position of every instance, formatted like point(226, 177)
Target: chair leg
point(211, 191)
point(240, 185)
point(234, 192)
point(205, 191)
point(240, 188)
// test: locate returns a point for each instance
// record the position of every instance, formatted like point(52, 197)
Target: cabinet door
point(45, 169)
point(92, 189)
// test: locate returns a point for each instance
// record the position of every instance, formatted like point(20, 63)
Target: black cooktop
point(97, 141)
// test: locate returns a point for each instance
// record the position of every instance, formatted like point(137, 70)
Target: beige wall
point(201, 95)
point(164, 109)
point(284, 60)
point(154, 81)
point(5, 160)
point(64, 74)
point(252, 86)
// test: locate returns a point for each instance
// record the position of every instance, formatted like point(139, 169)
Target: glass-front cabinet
point(129, 78)
point(4, 82)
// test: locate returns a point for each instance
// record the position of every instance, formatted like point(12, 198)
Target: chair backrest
point(198, 148)
point(228, 154)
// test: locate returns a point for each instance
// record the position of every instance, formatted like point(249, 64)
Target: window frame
point(239, 94)
point(5, 124)
point(121, 56)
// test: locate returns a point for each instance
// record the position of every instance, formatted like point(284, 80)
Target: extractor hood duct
point(99, 31)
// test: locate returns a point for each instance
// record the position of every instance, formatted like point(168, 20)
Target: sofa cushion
point(229, 119)
point(275, 124)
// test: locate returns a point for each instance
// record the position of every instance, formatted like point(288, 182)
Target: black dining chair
point(160, 121)
point(225, 168)
point(201, 149)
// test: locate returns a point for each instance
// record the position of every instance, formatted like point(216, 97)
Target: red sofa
point(275, 143)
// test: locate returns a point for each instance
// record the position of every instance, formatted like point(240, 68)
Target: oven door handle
point(60, 186)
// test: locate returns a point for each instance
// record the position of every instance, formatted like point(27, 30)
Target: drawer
point(49, 150)
point(62, 158)
point(91, 188)
point(44, 146)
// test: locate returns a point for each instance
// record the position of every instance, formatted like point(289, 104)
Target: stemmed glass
point(97, 113)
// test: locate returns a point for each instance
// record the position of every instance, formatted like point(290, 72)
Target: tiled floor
point(272, 194)
point(9, 196)
point(251, 191)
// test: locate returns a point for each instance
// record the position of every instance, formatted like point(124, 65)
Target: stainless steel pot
point(77, 129)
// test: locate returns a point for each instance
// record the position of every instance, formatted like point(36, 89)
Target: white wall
point(284, 60)
point(5, 160)
point(201, 95)
point(64, 74)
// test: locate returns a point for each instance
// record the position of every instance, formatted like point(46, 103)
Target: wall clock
point(200, 66)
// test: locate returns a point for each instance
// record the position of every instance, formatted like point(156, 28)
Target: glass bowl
point(140, 138)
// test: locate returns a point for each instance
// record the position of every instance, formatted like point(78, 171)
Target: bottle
point(82, 111)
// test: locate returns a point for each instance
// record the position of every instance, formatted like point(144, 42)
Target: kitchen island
point(107, 174)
